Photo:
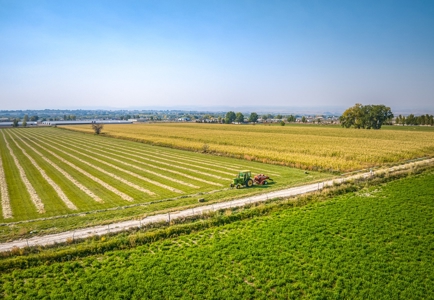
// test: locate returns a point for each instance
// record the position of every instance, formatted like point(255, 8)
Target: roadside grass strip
point(30, 189)
point(66, 174)
point(146, 164)
point(90, 176)
point(157, 159)
point(4, 193)
point(133, 185)
point(44, 175)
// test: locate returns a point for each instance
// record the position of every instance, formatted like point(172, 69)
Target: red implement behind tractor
point(261, 179)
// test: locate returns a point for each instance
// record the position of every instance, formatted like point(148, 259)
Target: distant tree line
point(415, 120)
point(238, 117)
point(366, 116)
point(69, 118)
point(25, 120)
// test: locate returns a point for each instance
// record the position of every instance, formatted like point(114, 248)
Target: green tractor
point(244, 179)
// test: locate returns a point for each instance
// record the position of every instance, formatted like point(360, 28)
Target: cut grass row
point(101, 153)
point(374, 243)
point(309, 147)
point(97, 170)
point(169, 160)
point(54, 185)
point(103, 179)
point(115, 163)
point(4, 193)
point(205, 161)
point(115, 158)
point(94, 173)
point(154, 161)
point(30, 189)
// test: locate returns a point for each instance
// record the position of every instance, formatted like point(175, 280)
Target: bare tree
point(97, 127)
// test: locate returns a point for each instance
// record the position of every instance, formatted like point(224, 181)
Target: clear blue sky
point(57, 54)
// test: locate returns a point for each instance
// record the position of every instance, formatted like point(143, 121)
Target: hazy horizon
point(216, 54)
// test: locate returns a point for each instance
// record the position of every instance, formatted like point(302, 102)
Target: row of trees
point(25, 120)
point(366, 116)
point(235, 117)
point(253, 118)
point(415, 120)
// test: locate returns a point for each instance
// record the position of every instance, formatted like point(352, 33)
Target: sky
point(139, 54)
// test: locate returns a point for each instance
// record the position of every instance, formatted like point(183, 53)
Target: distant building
point(53, 123)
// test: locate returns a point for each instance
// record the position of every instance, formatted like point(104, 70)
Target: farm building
point(52, 123)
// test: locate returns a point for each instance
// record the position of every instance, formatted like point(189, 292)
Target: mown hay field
point(308, 147)
point(48, 172)
point(375, 243)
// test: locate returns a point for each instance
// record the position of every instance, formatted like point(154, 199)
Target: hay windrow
point(4, 193)
point(97, 180)
point(69, 177)
point(54, 185)
point(112, 149)
point(120, 179)
point(30, 189)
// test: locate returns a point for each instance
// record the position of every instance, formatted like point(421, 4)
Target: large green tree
point(366, 116)
point(291, 118)
point(253, 117)
point(230, 117)
point(239, 117)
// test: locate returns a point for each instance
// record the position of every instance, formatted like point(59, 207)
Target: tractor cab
point(244, 175)
point(243, 179)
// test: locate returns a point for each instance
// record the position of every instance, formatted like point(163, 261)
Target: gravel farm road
point(121, 226)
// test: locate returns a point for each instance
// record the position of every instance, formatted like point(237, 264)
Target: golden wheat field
point(307, 147)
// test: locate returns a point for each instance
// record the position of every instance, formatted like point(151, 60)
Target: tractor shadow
point(263, 186)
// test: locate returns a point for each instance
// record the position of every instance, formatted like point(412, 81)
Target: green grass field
point(98, 174)
point(375, 243)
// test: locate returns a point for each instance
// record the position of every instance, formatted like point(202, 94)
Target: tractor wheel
point(265, 182)
point(238, 186)
point(249, 183)
point(232, 185)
